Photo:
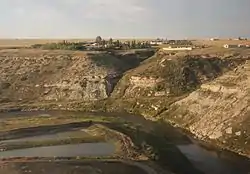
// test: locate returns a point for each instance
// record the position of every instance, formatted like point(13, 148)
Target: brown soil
point(73, 167)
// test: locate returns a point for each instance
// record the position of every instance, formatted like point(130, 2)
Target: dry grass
point(220, 43)
point(5, 43)
point(220, 51)
point(39, 52)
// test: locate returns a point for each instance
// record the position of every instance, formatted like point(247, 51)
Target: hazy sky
point(124, 18)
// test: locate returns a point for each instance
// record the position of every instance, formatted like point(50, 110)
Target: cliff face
point(219, 110)
point(57, 76)
point(207, 94)
point(172, 75)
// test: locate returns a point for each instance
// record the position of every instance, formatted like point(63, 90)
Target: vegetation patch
point(60, 46)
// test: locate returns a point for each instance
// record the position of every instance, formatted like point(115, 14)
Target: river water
point(85, 149)
point(209, 161)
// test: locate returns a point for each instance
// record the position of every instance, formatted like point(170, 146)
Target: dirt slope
point(173, 75)
point(219, 110)
point(28, 75)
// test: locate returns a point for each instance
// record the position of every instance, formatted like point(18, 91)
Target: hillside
point(38, 75)
point(209, 96)
point(173, 75)
point(218, 111)
point(204, 91)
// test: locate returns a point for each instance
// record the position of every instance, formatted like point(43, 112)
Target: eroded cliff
point(207, 94)
point(219, 110)
point(163, 79)
point(28, 75)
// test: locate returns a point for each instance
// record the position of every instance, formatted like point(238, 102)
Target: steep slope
point(218, 111)
point(172, 75)
point(36, 75)
point(165, 78)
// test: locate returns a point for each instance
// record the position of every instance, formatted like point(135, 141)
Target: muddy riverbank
point(206, 158)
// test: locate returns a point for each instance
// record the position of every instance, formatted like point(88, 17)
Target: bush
point(60, 46)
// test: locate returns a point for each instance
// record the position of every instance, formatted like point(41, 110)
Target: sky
point(124, 18)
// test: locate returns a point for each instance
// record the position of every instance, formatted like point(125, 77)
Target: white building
point(236, 46)
point(177, 48)
point(214, 39)
point(230, 46)
point(156, 43)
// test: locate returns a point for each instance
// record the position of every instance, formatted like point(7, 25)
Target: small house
point(230, 46)
point(243, 46)
point(214, 39)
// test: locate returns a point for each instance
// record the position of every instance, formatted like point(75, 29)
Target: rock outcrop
point(172, 75)
point(57, 76)
point(219, 110)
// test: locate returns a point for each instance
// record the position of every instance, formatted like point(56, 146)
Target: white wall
point(178, 49)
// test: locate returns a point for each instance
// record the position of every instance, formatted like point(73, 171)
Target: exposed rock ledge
point(57, 76)
point(219, 111)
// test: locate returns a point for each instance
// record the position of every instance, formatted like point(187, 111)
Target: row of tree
point(64, 45)
point(121, 45)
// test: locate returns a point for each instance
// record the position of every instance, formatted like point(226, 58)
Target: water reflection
point(86, 149)
point(210, 162)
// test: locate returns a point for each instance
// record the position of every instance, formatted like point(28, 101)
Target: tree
point(110, 41)
point(147, 44)
point(129, 44)
point(139, 45)
point(117, 43)
point(103, 42)
point(133, 44)
point(98, 39)
point(124, 46)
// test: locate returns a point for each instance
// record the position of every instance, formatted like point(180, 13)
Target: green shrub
point(60, 46)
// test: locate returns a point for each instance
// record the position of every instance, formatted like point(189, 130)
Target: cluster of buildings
point(239, 38)
point(180, 48)
point(173, 45)
point(170, 42)
point(236, 46)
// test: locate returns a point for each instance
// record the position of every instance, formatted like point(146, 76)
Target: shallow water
point(56, 136)
point(208, 161)
point(83, 150)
